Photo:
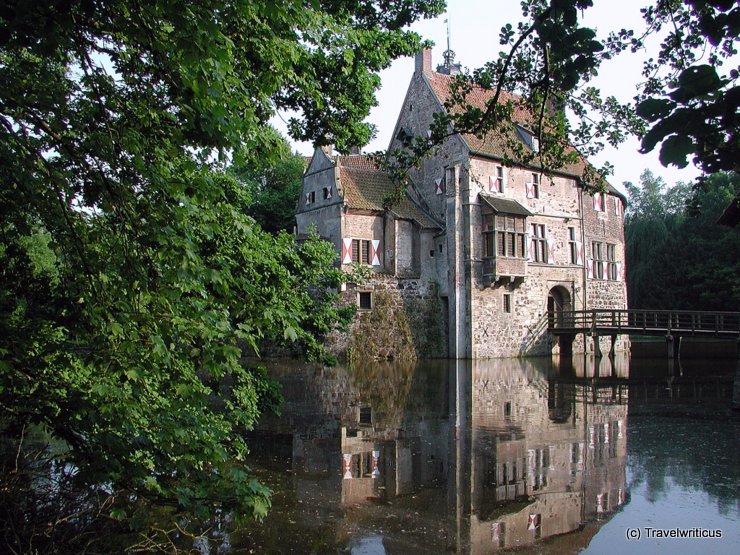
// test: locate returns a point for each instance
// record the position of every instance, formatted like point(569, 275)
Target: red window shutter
point(374, 254)
point(347, 466)
point(438, 184)
point(347, 250)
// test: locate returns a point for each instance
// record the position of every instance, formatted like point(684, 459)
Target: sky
point(475, 26)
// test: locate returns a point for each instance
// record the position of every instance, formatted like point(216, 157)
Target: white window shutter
point(579, 253)
point(531, 249)
point(493, 184)
point(504, 182)
point(550, 251)
point(374, 254)
point(347, 250)
point(438, 184)
point(590, 268)
point(530, 190)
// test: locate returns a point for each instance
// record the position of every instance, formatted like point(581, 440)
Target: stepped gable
point(365, 186)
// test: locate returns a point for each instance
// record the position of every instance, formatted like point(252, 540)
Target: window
point(510, 235)
point(572, 245)
point(361, 251)
point(507, 302)
point(529, 138)
point(365, 300)
point(327, 193)
point(496, 181)
point(538, 243)
point(503, 235)
point(611, 263)
point(311, 197)
point(597, 254)
point(366, 415)
point(600, 202)
point(533, 187)
point(488, 235)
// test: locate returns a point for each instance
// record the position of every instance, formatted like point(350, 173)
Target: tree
point(132, 283)
point(273, 187)
point(688, 102)
point(678, 257)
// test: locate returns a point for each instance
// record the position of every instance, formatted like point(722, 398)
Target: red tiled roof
point(361, 161)
point(493, 143)
point(365, 187)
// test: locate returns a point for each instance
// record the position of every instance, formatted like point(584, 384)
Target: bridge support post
point(673, 342)
point(613, 347)
point(597, 347)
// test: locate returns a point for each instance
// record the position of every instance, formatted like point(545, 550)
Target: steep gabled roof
point(365, 186)
point(493, 144)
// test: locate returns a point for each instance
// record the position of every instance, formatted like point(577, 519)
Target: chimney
point(328, 150)
point(424, 61)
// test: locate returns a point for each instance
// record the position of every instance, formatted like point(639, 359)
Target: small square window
point(366, 415)
point(365, 300)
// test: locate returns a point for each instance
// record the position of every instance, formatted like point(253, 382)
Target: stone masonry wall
point(607, 227)
point(496, 333)
point(406, 321)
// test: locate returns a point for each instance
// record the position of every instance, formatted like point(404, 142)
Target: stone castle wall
point(406, 321)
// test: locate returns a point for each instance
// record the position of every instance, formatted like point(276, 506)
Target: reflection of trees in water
point(694, 453)
point(384, 387)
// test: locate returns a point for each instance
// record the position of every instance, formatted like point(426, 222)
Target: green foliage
point(382, 334)
point(132, 280)
point(273, 189)
point(687, 103)
point(678, 257)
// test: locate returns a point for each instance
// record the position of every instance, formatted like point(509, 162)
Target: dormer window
point(529, 138)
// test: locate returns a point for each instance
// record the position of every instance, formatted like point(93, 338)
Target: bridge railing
point(647, 321)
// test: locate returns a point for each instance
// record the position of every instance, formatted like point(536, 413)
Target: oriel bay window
point(503, 235)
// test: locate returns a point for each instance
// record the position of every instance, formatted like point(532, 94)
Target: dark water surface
point(534, 456)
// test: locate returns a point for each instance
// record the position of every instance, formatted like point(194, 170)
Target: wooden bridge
point(671, 324)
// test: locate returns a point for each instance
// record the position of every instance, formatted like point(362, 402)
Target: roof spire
point(449, 54)
point(449, 67)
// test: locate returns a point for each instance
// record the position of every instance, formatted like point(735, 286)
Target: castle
point(481, 251)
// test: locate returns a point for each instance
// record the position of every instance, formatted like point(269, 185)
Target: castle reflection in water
point(469, 456)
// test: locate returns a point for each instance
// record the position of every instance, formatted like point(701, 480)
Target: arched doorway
point(558, 303)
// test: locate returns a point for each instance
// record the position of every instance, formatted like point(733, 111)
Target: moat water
point(533, 456)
